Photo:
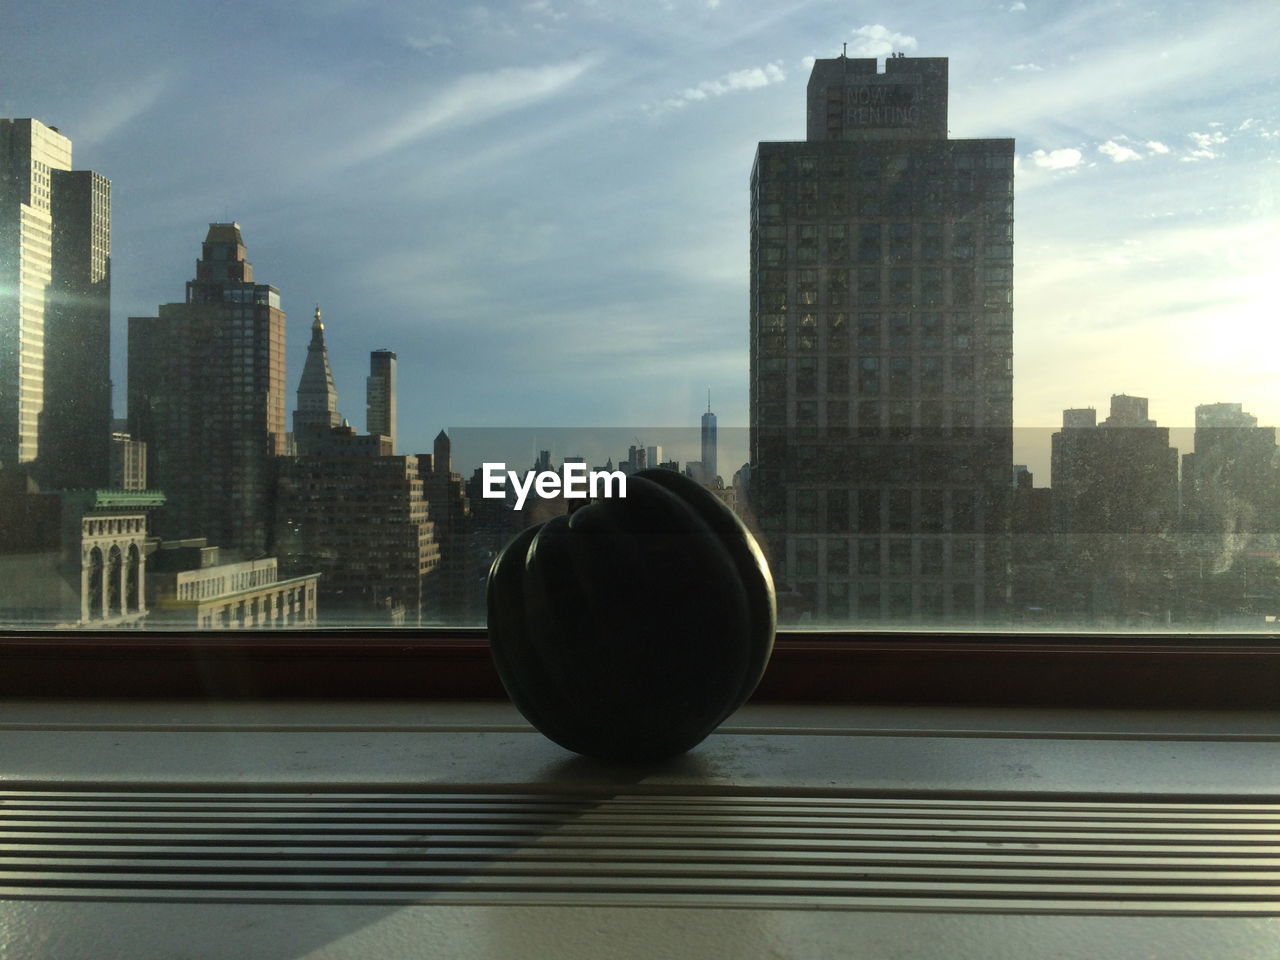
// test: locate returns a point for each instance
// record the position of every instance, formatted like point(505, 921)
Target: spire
point(317, 407)
point(708, 399)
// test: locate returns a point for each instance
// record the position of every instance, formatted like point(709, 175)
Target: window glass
point(506, 242)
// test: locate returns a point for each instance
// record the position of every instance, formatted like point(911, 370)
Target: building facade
point(380, 395)
point(192, 588)
point(55, 289)
point(1119, 476)
point(74, 558)
point(1113, 516)
point(451, 593)
point(1230, 520)
point(1231, 480)
point(207, 396)
point(128, 462)
point(362, 522)
point(881, 352)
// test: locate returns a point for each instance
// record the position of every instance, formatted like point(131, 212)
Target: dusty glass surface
point(965, 308)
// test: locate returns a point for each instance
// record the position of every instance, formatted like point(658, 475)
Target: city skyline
point(491, 308)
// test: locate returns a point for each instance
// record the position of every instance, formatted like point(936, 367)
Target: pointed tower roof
point(317, 395)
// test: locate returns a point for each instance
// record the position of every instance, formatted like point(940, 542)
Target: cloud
point(1027, 67)
point(428, 43)
point(1155, 146)
point(1017, 7)
point(1063, 159)
point(112, 115)
point(543, 8)
point(751, 78)
point(1118, 152)
point(470, 99)
point(877, 40)
point(1204, 145)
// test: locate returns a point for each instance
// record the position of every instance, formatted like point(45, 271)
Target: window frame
point(1050, 669)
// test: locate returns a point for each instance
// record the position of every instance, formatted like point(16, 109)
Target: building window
point(869, 375)
point(837, 375)
point(869, 515)
point(838, 511)
point(869, 556)
point(868, 331)
point(900, 241)
point(931, 286)
point(837, 333)
point(899, 331)
point(869, 285)
point(869, 243)
point(807, 333)
point(900, 285)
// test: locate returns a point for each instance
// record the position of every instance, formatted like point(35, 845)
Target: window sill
point(1240, 672)
point(826, 752)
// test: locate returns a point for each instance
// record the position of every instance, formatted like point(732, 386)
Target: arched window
point(95, 585)
point(114, 562)
point(131, 598)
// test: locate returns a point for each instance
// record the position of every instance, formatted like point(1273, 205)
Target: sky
point(542, 206)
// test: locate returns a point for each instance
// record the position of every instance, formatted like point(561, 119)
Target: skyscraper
point(1231, 481)
point(1113, 507)
point(709, 465)
point(207, 396)
point(357, 514)
point(1116, 477)
point(317, 411)
point(881, 350)
point(380, 394)
point(55, 292)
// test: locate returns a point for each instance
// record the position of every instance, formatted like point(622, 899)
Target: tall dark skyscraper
point(380, 395)
point(881, 351)
point(207, 396)
point(55, 309)
point(709, 464)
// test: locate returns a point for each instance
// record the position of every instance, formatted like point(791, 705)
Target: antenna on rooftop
point(844, 49)
point(708, 399)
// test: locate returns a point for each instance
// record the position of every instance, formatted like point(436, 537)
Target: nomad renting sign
point(883, 105)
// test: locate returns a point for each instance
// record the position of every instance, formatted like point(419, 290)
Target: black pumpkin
point(632, 627)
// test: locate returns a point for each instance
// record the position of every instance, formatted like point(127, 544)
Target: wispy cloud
point(1105, 82)
point(543, 9)
point(1118, 152)
point(1205, 145)
point(1027, 67)
point(470, 99)
point(428, 43)
point(877, 40)
point(1017, 7)
point(750, 79)
point(1155, 146)
point(1063, 159)
point(108, 117)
